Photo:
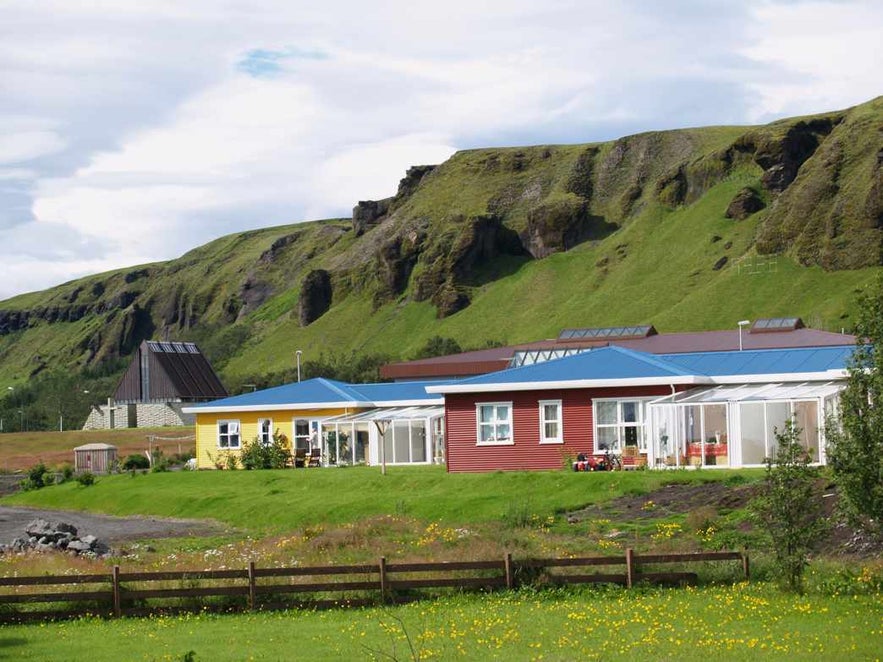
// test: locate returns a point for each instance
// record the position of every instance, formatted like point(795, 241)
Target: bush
point(86, 479)
point(790, 508)
point(38, 477)
point(256, 455)
point(135, 462)
point(67, 473)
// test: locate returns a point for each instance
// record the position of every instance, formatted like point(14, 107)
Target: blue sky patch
point(263, 62)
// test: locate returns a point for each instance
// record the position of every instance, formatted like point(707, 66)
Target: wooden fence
point(141, 593)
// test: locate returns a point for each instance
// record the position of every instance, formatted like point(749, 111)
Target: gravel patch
point(13, 521)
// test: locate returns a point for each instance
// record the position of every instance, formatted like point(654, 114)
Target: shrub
point(790, 507)
point(86, 479)
point(38, 477)
point(160, 463)
point(67, 473)
point(135, 462)
point(256, 455)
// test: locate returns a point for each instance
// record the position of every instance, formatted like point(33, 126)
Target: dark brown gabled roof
point(169, 371)
point(489, 360)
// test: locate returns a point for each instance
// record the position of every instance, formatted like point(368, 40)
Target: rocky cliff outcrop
point(315, 298)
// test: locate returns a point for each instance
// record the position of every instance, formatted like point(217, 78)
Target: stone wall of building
point(152, 415)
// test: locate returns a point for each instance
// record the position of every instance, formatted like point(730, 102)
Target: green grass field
point(741, 622)
point(272, 502)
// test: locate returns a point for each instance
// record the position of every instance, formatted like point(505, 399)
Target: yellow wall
point(207, 451)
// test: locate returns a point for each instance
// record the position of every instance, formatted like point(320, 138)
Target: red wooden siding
point(463, 453)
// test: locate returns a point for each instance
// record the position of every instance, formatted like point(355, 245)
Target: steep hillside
point(691, 229)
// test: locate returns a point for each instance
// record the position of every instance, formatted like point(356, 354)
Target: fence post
point(507, 564)
point(252, 589)
point(629, 567)
point(383, 582)
point(745, 565)
point(117, 607)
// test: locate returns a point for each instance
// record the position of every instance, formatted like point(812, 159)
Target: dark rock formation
point(746, 202)
point(560, 224)
point(315, 296)
point(782, 158)
point(449, 300)
point(368, 213)
point(412, 179)
point(720, 263)
point(470, 245)
point(671, 190)
point(253, 293)
point(269, 256)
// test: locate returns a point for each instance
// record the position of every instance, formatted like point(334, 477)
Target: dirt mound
point(842, 540)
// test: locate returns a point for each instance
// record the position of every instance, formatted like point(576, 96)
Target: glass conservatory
point(409, 435)
point(736, 425)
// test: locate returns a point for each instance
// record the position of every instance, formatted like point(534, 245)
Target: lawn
point(741, 622)
point(273, 502)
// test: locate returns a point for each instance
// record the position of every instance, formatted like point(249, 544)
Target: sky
point(133, 131)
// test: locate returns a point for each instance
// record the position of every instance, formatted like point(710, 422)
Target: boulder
point(746, 202)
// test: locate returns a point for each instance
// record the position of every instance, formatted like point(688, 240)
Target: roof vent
point(774, 324)
point(606, 333)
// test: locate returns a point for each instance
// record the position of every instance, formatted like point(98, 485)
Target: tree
point(438, 346)
point(790, 507)
point(855, 442)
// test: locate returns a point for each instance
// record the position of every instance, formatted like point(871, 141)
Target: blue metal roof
point(396, 391)
point(320, 390)
point(310, 391)
point(763, 361)
point(611, 362)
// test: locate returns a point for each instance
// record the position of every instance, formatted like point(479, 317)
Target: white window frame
point(558, 421)
point(640, 425)
point(495, 423)
point(269, 438)
point(230, 435)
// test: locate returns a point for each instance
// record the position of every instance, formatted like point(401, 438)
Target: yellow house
point(330, 421)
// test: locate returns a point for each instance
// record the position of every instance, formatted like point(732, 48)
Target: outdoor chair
point(300, 458)
point(315, 458)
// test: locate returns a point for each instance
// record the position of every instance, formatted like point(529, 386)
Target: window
point(551, 428)
point(619, 423)
point(228, 434)
point(494, 423)
point(301, 434)
point(265, 431)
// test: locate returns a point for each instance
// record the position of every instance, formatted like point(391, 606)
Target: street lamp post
point(741, 324)
point(298, 353)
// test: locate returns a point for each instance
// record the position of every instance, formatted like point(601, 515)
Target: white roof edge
point(566, 384)
point(275, 407)
point(837, 373)
point(426, 402)
point(429, 402)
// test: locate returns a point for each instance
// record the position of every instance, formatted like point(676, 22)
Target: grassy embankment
point(272, 502)
point(741, 622)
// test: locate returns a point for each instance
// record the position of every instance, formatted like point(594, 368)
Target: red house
point(689, 409)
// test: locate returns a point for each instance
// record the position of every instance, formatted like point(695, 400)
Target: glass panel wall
point(753, 423)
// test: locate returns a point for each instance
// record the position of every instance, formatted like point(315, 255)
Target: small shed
point(97, 458)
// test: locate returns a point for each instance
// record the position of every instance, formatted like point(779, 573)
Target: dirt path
point(13, 521)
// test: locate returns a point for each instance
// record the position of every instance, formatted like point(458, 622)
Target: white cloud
point(818, 56)
point(142, 129)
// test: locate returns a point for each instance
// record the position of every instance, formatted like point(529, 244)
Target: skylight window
point(606, 333)
point(769, 324)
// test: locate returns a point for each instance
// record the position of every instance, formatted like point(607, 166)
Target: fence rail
point(140, 593)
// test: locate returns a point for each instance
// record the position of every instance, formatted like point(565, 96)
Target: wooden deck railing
point(119, 593)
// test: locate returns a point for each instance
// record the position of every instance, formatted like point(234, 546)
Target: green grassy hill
point(507, 245)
